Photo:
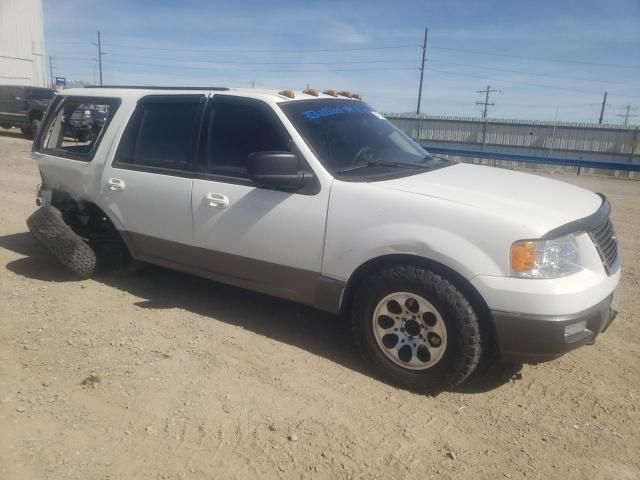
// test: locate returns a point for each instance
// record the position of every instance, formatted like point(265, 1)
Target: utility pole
point(424, 54)
point(253, 83)
point(487, 92)
point(626, 115)
point(100, 57)
point(604, 104)
point(53, 83)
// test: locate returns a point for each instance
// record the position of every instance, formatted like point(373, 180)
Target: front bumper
point(524, 338)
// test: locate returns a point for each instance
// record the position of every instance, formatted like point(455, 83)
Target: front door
point(148, 185)
point(260, 238)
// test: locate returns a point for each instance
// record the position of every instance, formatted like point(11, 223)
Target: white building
point(22, 55)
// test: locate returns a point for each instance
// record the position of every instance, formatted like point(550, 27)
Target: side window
point(74, 128)
point(161, 133)
point(234, 130)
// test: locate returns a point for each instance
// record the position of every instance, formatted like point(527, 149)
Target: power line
point(231, 62)
point(277, 70)
point(448, 72)
point(507, 70)
point(575, 90)
point(283, 50)
point(362, 62)
point(557, 60)
point(381, 47)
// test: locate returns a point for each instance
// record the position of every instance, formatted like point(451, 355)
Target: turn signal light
point(523, 256)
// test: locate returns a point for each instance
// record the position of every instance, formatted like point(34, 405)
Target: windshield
point(347, 133)
point(39, 93)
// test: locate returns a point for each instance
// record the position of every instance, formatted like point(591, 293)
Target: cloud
point(347, 34)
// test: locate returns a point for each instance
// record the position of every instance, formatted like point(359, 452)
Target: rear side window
point(75, 125)
point(161, 133)
point(235, 129)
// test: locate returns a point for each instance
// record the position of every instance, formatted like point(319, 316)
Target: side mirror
point(277, 169)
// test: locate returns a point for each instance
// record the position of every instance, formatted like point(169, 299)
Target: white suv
point(316, 198)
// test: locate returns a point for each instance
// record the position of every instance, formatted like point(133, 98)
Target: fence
point(616, 143)
point(579, 147)
point(573, 165)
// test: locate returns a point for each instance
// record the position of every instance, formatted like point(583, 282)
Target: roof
point(139, 91)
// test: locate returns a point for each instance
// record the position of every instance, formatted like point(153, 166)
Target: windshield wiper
point(380, 163)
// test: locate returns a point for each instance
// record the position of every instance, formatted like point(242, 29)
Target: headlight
point(545, 258)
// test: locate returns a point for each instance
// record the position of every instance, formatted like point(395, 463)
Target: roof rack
point(155, 87)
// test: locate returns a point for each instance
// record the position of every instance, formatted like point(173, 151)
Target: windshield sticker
point(329, 111)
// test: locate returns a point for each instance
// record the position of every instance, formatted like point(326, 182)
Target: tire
point(83, 136)
point(35, 125)
point(27, 132)
point(448, 348)
point(49, 228)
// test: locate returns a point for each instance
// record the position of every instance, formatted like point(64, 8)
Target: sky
point(545, 59)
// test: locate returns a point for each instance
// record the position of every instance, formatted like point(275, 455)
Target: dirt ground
point(159, 375)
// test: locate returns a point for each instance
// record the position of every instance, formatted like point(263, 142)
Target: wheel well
point(89, 221)
point(461, 283)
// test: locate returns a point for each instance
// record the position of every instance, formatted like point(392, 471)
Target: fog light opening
point(574, 329)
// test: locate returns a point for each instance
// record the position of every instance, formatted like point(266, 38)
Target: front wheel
point(416, 328)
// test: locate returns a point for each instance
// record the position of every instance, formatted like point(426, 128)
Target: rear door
point(148, 184)
point(261, 238)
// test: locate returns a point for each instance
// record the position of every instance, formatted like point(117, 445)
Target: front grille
point(604, 238)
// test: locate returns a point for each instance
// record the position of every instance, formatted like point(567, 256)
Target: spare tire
point(49, 228)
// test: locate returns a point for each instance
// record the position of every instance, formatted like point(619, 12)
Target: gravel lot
point(162, 375)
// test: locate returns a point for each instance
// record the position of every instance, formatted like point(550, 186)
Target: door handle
point(217, 200)
point(115, 184)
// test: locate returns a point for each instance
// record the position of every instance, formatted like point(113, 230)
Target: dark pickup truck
point(84, 123)
point(23, 107)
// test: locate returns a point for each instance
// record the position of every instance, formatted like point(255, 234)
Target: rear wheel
point(416, 328)
point(27, 132)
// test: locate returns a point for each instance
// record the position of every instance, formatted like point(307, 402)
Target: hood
point(528, 199)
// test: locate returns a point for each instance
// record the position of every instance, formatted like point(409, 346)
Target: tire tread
point(469, 342)
point(49, 228)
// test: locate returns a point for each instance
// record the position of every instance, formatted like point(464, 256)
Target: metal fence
point(588, 141)
point(566, 165)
